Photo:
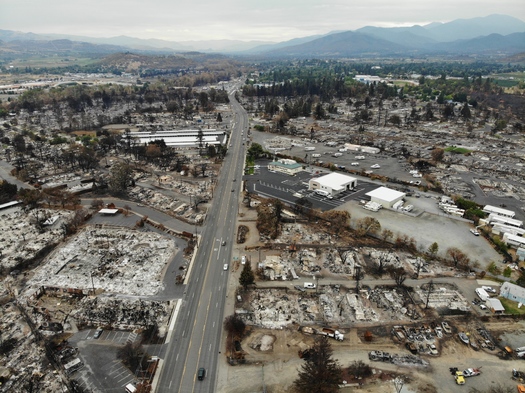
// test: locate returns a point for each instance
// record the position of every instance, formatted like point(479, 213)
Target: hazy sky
point(266, 20)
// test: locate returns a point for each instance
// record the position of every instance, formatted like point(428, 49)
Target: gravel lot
point(428, 228)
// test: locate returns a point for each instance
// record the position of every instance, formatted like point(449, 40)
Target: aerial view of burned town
point(198, 222)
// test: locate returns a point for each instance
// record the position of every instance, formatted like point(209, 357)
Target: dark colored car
point(201, 373)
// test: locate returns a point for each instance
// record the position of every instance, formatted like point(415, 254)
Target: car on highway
point(233, 190)
point(98, 333)
point(201, 373)
point(375, 166)
point(225, 266)
point(223, 243)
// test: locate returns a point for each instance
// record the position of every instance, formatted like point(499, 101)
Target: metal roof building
point(182, 138)
point(334, 183)
point(385, 196)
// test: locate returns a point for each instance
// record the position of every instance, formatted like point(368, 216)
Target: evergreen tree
point(319, 373)
point(247, 276)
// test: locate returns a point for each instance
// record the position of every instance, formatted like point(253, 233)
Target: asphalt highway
point(195, 340)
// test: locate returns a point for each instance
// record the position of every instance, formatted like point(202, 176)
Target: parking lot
point(393, 167)
point(102, 370)
point(290, 188)
point(425, 223)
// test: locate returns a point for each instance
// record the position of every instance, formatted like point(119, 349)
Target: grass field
point(511, 307)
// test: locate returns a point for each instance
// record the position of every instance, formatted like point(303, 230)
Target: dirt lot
point(277, 367)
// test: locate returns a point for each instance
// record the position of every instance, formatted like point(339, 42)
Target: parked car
point(432, 349)
point(375, 166)
point(474, 232)
point(471, 372)
point(488, 289)
point(98, 333)
point(446, 327)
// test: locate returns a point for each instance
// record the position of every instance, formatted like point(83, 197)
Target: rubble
point(117, 260)
point(23, 235)
point(122, 313)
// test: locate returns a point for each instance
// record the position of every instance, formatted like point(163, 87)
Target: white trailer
point(482, 294)
point(499, 211)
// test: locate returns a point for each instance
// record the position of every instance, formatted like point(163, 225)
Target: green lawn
point(511, 307)
point(457, 150)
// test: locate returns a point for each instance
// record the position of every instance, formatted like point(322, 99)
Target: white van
point(309, 285)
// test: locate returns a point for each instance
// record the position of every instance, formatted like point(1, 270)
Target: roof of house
point(386, 194)
point(509, 288)
point(495, 304)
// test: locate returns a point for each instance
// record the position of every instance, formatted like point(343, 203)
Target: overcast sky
point(262, 20)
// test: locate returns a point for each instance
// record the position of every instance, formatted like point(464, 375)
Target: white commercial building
point(333, 183)
point(385, 196)
point(182, 138)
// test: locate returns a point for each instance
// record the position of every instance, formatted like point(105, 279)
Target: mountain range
point(493, 35)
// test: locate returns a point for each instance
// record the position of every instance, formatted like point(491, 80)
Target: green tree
point(255, 151)
point(465, 111)
point(319, 373)
point(120, 178)
point(433, 249)
point(247, 276)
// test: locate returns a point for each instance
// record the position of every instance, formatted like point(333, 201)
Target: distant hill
point(346, 44)
point(415, 36)
point(493, 34)
point(62, 47)
point(476, 27)
point(493, 43)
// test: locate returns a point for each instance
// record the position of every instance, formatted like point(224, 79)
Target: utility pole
point(92, 284)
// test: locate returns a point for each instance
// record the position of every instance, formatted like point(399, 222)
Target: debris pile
point(443, 297)
point(122, 313)
point(24, 235)
point(397, 359)
point(118, 260)
point(23, 368)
